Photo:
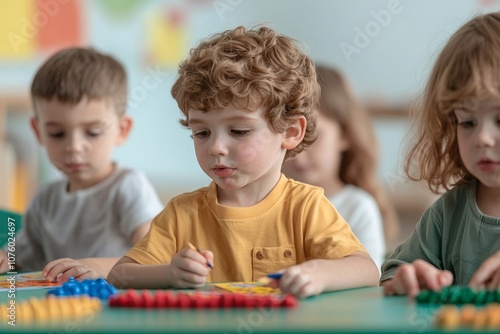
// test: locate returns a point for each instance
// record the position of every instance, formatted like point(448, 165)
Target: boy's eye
point(200, 134)
point(93, 133)
point(240, 132)
point(56, 134)
point(467, 124)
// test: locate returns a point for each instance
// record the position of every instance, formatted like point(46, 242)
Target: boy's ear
point(36, 129)
point(124, 127)
point(295, 133)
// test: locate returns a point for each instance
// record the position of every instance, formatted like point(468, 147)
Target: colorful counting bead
point(94, 288)
point(469, 316)
point(459, 295)
point(51, 308)
point(164, 299)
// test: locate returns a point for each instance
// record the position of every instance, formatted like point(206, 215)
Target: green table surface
point(363, 310)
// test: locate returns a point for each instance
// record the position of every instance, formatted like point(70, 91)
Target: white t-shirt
point(361, 211)
point(98, 221)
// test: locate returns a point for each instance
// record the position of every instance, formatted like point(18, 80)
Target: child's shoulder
point(192, 196)
point(459, 193)
point(300, 189)
point(51, 187)
point(460, 198)
point(122, 174)
point(354, 193)
point(48, 193)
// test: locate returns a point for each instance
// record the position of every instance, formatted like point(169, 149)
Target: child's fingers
point(193, 255)
point(429, 277)
point(209, 256)
point(189, 269)
point(389, 287)
point(194, 262)
point(445, 278)
point(299, 284)
point(48, 267)
point(405, 281)
point(494, 284)
point(186, 279)
point(293, 280)
point(54, 268)
point(288, 276)
point(485, 272)
point(308, 290)
point(194, 266)
point(77, 272)
point(191, 280)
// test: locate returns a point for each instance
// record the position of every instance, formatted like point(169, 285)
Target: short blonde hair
point(251, 69)
point(467, 69)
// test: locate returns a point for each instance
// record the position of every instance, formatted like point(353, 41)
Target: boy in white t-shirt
point(100, 209)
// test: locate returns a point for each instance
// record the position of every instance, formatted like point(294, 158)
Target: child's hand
point(488, 274)
point(4, 264)
point(62, 269)
point(300, 280)
point(189, 269)
point(412, 277)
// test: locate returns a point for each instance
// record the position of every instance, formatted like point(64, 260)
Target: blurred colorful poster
point(121, 9)
point(17, 36)
point(64, 26)
point(167, 38)
point(31, 26)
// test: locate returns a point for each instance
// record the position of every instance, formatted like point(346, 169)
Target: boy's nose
point(217, 146)
point(77, 144)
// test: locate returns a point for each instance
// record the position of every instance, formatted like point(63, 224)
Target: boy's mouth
point(223, 171)
point(75, 166)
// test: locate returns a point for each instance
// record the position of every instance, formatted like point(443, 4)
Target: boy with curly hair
point(250, 99)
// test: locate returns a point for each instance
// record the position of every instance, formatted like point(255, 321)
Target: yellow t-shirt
point(294, 223)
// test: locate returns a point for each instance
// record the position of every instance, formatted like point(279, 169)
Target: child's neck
point(247, 196)
point(74, 186)
point(487, 200)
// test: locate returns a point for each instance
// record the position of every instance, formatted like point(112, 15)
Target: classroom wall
point(385, 48)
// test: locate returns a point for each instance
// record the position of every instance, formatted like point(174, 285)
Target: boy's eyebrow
point(92, 123)
point(233, 118)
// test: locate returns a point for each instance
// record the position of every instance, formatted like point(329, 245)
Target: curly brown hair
point(466, 70)
point(251, 69)
point(74, 73)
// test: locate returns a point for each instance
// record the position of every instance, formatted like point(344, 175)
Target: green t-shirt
point(453, 234)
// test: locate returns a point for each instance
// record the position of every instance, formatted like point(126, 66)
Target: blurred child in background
point(343, 161)
point(81, 225)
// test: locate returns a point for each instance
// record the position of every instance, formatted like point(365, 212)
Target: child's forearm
point(356, 270)
point(129, 274)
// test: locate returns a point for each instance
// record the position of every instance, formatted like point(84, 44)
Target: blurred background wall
point(384, 47)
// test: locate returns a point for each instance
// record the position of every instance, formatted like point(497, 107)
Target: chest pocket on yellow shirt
point(266, 260)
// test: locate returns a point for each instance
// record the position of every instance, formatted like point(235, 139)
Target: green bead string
point(459, 295)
